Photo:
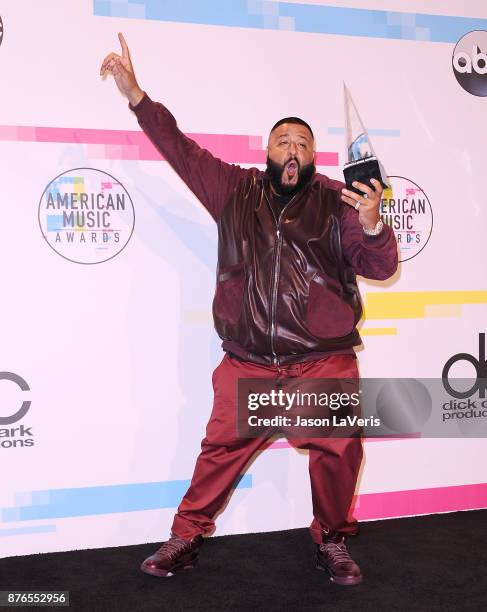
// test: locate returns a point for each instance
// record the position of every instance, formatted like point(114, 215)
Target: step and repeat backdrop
point(107, 343)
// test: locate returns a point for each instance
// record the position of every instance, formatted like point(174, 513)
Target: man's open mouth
point(292, 168)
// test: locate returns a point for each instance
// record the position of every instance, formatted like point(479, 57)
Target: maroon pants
point(334, 463)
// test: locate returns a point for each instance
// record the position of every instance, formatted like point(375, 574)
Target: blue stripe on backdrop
point(314, 18)
point(84, 501)
point(371, 131)
point(26, 530)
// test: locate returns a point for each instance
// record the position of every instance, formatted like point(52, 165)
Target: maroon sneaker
point(332, 556)
point(174, 555)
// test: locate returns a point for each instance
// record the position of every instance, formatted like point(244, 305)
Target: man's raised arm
point(210, 179)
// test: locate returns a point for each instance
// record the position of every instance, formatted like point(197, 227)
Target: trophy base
point(363, 171)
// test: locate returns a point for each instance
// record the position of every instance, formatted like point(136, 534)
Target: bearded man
point(290, 244)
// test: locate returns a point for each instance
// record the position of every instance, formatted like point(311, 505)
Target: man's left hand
point(368, 211)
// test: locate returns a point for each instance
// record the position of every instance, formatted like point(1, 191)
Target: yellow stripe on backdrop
point(378, 331)
point(419, 304)
point(390, 305)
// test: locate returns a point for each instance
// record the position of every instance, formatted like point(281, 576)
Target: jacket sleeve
point(373, 257)
point(210, 179)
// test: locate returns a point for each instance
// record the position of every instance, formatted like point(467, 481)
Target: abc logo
point(470, 62)
point(464, 63)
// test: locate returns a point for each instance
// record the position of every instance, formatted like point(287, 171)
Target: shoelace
point(337, 552)
point(173, 546)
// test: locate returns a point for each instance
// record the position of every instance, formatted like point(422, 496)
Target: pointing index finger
point(125, 49)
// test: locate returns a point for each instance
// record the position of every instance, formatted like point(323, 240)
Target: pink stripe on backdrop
point(389, 504)
point(128, 144)
point(420, 501)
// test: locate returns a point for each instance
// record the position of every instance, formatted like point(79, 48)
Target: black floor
point(436, 562)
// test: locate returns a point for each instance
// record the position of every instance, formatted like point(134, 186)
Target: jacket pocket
point(227, 303)
point(328, 314)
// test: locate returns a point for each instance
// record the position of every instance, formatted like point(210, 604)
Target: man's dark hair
point(292, 120)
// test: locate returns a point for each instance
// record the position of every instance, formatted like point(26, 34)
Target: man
point(286, 304)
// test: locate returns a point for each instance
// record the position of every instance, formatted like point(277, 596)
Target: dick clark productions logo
point(19, 435)
point(86, 215)
point(470, 62)
point(24, 407)
point(480, 365)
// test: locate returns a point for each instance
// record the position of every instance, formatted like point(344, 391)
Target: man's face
point(291, 147)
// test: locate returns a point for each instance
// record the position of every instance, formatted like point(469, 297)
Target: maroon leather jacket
point(285, 285)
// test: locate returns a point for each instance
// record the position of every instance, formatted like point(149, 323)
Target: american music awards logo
point(407, 209)
point(86, 215)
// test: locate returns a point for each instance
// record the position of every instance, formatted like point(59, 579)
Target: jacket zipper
point(275, 276)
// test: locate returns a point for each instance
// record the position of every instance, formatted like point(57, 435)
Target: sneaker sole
point(153, 571)
point(342, 580)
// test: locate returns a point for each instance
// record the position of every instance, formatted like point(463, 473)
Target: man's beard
point(275, 171)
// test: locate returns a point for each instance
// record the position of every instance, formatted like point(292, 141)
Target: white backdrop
point(118, 355)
